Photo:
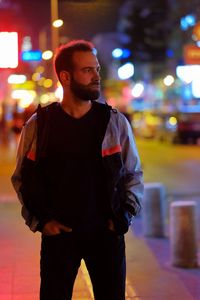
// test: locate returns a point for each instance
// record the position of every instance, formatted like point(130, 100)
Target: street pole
point(54, 33)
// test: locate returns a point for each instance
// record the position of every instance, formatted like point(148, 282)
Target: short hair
point(63, 56)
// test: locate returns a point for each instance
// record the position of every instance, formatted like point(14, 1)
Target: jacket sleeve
point(26, 147)
point(133, 172)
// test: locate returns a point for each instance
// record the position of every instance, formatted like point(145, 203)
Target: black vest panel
point(77, 193)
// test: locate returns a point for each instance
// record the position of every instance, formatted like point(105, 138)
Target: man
point(79, 180)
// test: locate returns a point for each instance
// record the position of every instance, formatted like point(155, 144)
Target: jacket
point(120, 158)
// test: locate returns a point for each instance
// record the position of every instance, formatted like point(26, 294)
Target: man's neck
point(77, 108)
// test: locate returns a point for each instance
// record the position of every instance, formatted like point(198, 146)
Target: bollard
point(183, 234)
point(154, 209)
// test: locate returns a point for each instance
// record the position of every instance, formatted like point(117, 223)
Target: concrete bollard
point(154, 209)
point(183, 234)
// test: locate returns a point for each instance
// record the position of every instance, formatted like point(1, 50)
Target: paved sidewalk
point(149, 276)
point(150, 271)
point(19, 260)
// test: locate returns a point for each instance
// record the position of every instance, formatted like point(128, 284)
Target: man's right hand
point(54, 227)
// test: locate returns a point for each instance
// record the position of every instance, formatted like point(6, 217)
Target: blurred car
point(168, 127)
point(188, 128)
point(176, 128)
point(154, 125)
point(145, 124)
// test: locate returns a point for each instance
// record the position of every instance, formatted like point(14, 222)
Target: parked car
point(188, 128)
point(145, 124)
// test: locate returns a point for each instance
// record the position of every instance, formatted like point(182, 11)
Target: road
point(176, 166)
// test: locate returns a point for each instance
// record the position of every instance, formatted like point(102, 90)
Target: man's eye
point(89, 70)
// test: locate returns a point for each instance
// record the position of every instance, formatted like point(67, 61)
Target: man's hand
point(54, 227)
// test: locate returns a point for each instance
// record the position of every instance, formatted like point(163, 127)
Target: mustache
point(95, 83)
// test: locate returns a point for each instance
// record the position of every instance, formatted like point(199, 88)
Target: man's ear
point(64, 78)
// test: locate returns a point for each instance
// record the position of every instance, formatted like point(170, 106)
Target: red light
point(8, 50)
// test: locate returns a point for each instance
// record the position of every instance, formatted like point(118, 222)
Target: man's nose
point(97, 75)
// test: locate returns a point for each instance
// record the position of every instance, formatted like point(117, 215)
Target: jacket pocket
point(121, 217)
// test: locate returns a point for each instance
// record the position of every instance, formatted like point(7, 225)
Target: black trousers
point(104, 256)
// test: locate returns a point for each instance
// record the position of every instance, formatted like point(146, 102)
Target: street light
point(57, 23)
point(46, 55)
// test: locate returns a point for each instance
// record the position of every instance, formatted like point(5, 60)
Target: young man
point(79, 180)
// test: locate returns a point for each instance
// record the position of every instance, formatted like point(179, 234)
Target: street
point(176, 166)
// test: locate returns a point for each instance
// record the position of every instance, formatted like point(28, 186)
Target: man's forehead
point(84, 58)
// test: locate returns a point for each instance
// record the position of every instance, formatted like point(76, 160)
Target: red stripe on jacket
point(31, 155)
point(112, 150)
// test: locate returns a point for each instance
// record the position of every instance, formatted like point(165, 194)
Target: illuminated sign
point(8, 50)
point(32, 55)
point(196, 31)
point(26, 44)
point(192, 55)
point(16, 78)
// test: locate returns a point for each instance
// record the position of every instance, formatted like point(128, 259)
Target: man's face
point(85, 78)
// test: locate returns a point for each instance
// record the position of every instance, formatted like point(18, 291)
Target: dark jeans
point(104, 256)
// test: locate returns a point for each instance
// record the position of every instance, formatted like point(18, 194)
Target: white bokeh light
point(126, 71)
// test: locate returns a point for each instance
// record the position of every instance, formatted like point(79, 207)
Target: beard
point(85, 92)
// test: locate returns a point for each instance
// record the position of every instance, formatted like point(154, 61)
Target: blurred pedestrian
point(17, 124)
point(79, 180)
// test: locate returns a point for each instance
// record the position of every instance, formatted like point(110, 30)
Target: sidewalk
point(149, 274)
point(154, 277)
point(19, 259)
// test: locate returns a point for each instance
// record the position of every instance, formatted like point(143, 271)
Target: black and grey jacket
point(120, 158)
